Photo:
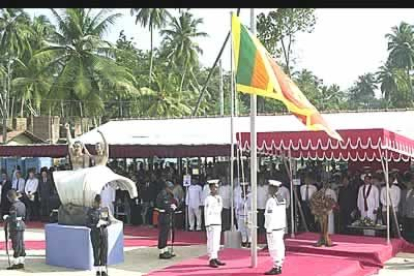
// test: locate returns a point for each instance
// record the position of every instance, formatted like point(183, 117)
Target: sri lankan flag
point(257, 73)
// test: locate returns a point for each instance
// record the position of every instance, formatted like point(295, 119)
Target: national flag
point(257, 73)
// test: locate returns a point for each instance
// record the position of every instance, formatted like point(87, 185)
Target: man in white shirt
point(395, 197)
point(275, 223)
point(108, 195)
point(213, 206)
point(243, 207)
point(329, 192)
point(368, 201)
point(306, 192)
point(18, 183)
point(193, 200)
point(285, 194)
point(30, 192)
point(225, 193)
point(205, 194)
point(262, 196)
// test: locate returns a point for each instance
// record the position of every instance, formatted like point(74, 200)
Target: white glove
point(136, 201)
point(5, 217)
point(174, 207)
point(101, 223)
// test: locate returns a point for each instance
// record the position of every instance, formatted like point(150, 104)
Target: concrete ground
point(141, 260)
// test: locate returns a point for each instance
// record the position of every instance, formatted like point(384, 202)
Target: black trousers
point(310, 220)
point(17, 239)
point(99, 238)
point(225, 218)
point(44, 208)
point(261, 220)
point(164, 226)
point(345, 221)
point(409, 229)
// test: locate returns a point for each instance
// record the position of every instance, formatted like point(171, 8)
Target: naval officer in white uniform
point(213, 206)
point(275, 223)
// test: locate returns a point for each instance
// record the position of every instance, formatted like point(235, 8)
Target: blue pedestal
point(70, 246)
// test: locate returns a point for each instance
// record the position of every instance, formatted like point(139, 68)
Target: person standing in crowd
point(213, 206)
point(16, 226)
point(98, 219)
point(45, 192)
point(275, 223)
point(15, 171)
point(145, 196)
point(108, 198)
point(193, 201)
point(166, 205)
point(5, 188)
point(243, 207)
point(225, 194)
point(205, 194)
point(30, 192)
point(408, 213)
point(395, 197)
point(368, 201)
point(18, 183)
point(262, 196)
point(329, 192)
point(347, 201)
point(306, 191)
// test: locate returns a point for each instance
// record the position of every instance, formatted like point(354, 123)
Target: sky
point(346, 43)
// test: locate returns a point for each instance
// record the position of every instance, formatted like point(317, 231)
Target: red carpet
point(296, 264)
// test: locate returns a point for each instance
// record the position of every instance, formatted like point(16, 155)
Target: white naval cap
point(274, 183)
point(215, 182)
point(244, 183)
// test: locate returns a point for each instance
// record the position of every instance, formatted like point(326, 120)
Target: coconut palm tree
point(153, 19)
point(363, 92)
point(401, 48)
point(14, 32)
point(84, 62)
point(180, 40)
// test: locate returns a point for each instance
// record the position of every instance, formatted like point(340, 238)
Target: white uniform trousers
point(243, 229)
point(213, 241)
point(331, 223)
point(194, 213)
point(276, 246)
point(370, 214)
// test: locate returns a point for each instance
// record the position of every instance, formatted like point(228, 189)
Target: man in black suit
point(5, 187)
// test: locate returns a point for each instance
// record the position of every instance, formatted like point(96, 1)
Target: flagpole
point(232, 130)
point(253, 160)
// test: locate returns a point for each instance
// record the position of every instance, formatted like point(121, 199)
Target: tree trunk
point(22, 108)
point(286, 55)
point(409, 83)
point(182, 79)
point(151, 59)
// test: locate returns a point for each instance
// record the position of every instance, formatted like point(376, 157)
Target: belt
point(160, 210)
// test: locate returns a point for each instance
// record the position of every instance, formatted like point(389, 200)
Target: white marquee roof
point(216, 131)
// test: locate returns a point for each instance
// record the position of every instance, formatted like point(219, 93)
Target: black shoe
point(219, 262)
point(244, 244)
point(248, 244)
point(20, 266)
point(213, 264)
point(104, 273)
point(13, 267)
point(274, 271)
point(98, 273)
point(165, 256)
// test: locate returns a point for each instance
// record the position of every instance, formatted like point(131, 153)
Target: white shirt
point(395, 196)
point(225, 193)
point(285, 193)
point(212, 210)
point(193, 199)
point(275, 214)
point(206, 193)
point(311, 190)
point(244, 205)
point(31, 186)
point(262, 196)
point(372, 198)
point(108, 195)
point(18, 185)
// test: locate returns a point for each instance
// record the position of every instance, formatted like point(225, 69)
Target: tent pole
point(387, 182)
point(253, 165)
point(292, 219)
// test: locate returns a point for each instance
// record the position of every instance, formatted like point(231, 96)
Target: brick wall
point(46, 127)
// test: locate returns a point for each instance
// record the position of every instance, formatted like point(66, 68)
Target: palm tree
point(14, 32)
point(179, 39)
point(153, 19)
point(363, 92)
point(83, 60)
point(401, 48)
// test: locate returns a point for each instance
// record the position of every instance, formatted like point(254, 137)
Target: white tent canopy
point(216, 131)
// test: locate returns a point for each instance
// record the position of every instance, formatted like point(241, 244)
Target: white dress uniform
point(368, 202)
point(331, 224)
point(212, 213)
point(243, 208)
point(275, 223)
point(395, 196)
point(193, 200)
point(285, 194)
